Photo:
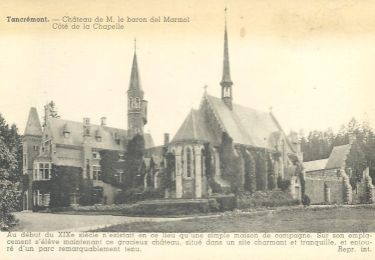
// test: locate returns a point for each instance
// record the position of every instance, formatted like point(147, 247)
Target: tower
point(137, 106)
point(226, 81)
point(32, 140)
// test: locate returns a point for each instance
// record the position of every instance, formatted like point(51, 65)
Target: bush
point(226, 202)
point(283, 184)
point(306, 200)
point(9, 201)
point(138, 194)
point(266, 199)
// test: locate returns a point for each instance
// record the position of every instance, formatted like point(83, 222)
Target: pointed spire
point(135, 82)
point(226, 79)
point(33, 126)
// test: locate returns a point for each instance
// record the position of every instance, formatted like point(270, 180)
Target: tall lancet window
point(189, 163)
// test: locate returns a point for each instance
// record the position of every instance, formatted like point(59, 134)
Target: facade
point(221, 145)
point(328, 180)
point(77, 145)
point(220, 148)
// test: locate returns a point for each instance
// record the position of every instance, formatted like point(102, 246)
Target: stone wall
point(316, 181)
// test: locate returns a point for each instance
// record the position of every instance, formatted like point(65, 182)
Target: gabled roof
point(248, 126)
point(194, 128)
point(108, 135)
point(33, 126)
point(335, 160)
point(315, 165)
point(338, 156)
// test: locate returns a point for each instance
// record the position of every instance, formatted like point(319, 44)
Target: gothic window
point(189, 162)
point(203, 162)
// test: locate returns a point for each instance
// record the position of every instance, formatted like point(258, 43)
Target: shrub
point(266, 199)
point(9, 200)
point(138, 194)
point(226, 202)
point(283, 184)
point(213, 205)
point(306, 200)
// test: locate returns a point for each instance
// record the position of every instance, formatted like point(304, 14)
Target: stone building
point(328, 180)
point(223, 147)
point(77, 145)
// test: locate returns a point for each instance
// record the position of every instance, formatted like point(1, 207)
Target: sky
point(311, 61)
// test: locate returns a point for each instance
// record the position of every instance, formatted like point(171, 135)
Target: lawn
point(334, 219)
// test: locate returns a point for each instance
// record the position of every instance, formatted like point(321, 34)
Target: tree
point(133, 161)
point(10, 168)
point(50, 111)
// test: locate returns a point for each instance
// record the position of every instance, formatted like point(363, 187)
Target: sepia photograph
point(223, 119)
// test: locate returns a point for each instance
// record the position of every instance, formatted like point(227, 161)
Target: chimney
point(166, 139)
point(103, 121)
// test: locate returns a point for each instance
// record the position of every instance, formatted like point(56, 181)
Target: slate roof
point(33, 126)
point(194, 128)
point(315, 165)
point(57, 126)
point(338, 156)
point(335, 160)
point(244, 125)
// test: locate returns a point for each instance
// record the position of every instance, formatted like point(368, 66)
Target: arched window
point(188, 163)
point(203, 163)
point(226, 92)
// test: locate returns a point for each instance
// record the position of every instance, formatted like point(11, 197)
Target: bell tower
point(137, 106)
point(226, 81)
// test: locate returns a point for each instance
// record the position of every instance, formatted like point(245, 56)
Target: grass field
point(334, 219)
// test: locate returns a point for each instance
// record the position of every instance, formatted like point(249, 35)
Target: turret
point(32, 141)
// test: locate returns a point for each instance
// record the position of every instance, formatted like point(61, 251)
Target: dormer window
point(98, 136)
point(66, 131)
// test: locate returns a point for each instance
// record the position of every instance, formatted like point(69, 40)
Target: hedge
point(266, 199)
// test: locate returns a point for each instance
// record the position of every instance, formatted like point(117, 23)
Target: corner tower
point(32, 140)
point(226, 81)
point(137, 106)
